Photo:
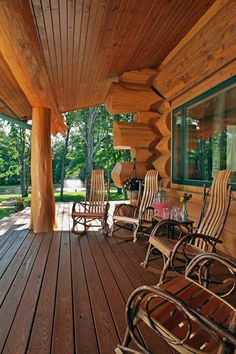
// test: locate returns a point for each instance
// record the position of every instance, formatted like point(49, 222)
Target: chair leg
point(74, 224)
point(112, 229)
point(149, 251)
point(164, 270)
point(136, 227)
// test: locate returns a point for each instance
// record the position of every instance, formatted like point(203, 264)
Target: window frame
point(225, 85)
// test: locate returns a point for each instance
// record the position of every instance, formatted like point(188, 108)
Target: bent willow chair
point(84, 213)
point(178, 252)
point(141, 216)
point(188, 316)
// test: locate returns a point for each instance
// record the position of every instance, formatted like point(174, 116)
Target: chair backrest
point(150, 188)
point(97, 201)
point(212, 223)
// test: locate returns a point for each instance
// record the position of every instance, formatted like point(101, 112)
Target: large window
point(204, 136)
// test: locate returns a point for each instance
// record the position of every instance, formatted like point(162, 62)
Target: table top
point(187, 222)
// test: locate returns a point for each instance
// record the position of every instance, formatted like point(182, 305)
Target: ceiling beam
point(15, 121)
point(21, 50)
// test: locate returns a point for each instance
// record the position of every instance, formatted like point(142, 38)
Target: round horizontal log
point(125, 97)
point(141, 155)
point(164, 145)
point(163, 124)
point(147, 117)
point(162, 107)
point(123, 171)
point(162, 165)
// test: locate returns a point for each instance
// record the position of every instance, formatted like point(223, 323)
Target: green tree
point(89, 144)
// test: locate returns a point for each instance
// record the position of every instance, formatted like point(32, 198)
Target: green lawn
point(68, 197)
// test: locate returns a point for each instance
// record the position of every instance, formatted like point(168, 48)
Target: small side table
point(170, 225)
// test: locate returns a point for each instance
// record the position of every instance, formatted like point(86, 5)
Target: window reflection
point(209, 136)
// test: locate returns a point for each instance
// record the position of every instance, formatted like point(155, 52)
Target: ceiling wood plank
point(20, 48)
point(210, 50)
point(95, 41)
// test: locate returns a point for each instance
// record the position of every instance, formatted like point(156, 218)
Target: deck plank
point(17, 340)
point(60, 293)
point(13, 298)
point(40, 339)
point(63, 337)
point(85, 340)
point(111, 287)
point(13, 267)
point(9, 255)
point(105, 328)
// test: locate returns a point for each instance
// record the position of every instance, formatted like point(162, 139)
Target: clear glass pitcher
point(160, 196)
point(161, 204)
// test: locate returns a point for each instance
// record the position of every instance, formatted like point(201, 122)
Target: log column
point(42, 197)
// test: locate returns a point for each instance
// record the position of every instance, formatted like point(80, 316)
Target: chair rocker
point(141, 216)
point(178, 253)
point(84, 213)
point(188, 316)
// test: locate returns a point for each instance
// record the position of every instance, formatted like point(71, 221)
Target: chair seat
point(126, 219)
point(171, 322)
point(165, 246)
point(87, 214)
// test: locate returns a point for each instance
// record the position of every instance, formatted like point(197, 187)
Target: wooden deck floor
point(61, 294)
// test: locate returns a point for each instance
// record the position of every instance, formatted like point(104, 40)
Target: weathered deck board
point(61, 294)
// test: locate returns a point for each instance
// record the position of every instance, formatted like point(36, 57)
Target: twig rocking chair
point(142, 214)
point(84, 213)
point(188, 316)
point(206, 236)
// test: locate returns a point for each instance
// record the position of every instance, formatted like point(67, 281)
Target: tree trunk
point(63, 162)
point(24, 163)
point(90, 147)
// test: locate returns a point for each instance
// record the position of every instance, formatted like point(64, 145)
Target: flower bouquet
point(184, 198)
point(132, 184)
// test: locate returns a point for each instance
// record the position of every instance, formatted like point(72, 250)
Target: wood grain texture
point(21, 51)
point(123, 170)
point(63, 336)
point(17, 341)
point(40, 339)
point(125, 97)
point(13, 101)
point(92, 267)
point(88, 44)
point(128, 135)
point(146, 117)
point(212, 48)
point(42, 201)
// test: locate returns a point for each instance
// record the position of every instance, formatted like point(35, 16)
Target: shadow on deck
point(61, 294)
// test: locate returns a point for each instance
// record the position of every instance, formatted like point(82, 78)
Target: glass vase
point(184, 213)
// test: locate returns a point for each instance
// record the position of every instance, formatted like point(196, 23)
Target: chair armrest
point(143, 298)
point(170, 223)
point(79, 205)
point(180, 246)
point(192, 237)
point(119, 206)
point(146, 210)
point(202, 262)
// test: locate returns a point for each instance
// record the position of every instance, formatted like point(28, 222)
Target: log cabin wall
point(202, 60)
point(205, 58)
point(148, 136)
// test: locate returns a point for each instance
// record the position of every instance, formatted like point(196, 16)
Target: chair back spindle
point(150, 189)
point(97, 192)
point(213, 221)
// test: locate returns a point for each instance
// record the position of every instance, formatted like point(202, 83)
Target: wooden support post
point(42, 198)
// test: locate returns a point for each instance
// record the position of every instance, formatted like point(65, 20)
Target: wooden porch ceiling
point(87, 44)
